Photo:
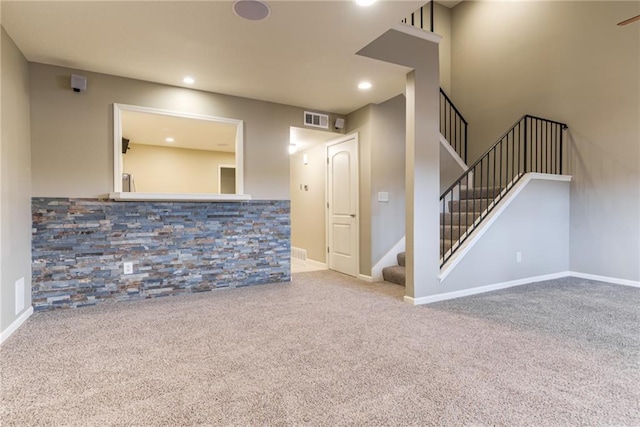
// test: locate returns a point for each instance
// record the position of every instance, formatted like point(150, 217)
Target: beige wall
point(442, 26)
point(388, 174)
point(15, 200)
point(565, 61)
point(360, 121)
point(72, 133)
point(308, 211)
point(157, 169)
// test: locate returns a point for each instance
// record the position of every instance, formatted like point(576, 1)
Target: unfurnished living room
point(350, 212)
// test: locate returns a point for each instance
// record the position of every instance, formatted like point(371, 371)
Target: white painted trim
point(16, 324)
point(614, 280)
point(453, 154)
point(220, 166)
point(493, 216)
point(117, 139)
point(178, 197)
point(365, 278)
point(482, 289)
point(417, 32)
point(388, 259)
point(504, 285)
point(317, 264)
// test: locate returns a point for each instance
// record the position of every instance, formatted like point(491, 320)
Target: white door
point(342, 206)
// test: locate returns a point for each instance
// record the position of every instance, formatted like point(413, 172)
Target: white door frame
point(345, 138)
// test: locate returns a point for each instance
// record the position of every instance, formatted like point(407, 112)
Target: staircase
point(460, 216)
point(532, 144)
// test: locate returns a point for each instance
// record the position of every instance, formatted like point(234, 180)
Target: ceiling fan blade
point(629, 21)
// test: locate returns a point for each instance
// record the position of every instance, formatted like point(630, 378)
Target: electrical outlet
point(128, 268)
point(518, 257)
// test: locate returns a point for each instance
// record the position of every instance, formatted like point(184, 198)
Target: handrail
point(443, 93)
point(453, 125)
point(532, 144)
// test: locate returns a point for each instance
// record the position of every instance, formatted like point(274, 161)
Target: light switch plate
point(383, 196)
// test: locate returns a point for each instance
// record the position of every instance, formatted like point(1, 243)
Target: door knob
point(352, 215)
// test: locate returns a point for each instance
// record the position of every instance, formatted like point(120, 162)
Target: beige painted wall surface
point(578, 68)
point(387, 175)
point(72, 133)
point(308, 209)
point(16, 181)
point(360, 121)
point(158, 169)
point(442, 26)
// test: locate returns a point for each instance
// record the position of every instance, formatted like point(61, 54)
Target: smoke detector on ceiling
point(252, 10)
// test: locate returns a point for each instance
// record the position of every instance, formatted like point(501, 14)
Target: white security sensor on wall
point(78, 83)
point(339, 123)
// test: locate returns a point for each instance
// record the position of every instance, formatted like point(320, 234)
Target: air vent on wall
point(316, 120)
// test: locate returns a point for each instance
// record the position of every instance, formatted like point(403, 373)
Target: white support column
point(422, 183)
point(418, 50)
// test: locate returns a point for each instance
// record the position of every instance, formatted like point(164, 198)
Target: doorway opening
point(312, 228)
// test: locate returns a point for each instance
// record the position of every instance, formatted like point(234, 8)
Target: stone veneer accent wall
point(79, 246)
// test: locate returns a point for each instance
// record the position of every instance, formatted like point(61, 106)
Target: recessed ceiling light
point(188, 80)
point(169, 139)
point(365, 2)
point(253, 10)
point(364, 85)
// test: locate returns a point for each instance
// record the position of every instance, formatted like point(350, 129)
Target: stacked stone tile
point(80, 245)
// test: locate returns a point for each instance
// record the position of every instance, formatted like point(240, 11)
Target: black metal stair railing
point(453, 126)
point(532, 144)
point(416, 19)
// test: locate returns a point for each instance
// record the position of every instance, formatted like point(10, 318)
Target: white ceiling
point(303, 54)
point(195, 134)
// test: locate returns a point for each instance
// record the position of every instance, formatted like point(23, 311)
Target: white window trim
point(118, 194)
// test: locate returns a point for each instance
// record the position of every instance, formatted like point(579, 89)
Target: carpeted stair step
point(395, 274)
point(458, 218)
point(479, 193)
point(452, 231)
point(401, 258)
point(447, 245)
point(470, 205)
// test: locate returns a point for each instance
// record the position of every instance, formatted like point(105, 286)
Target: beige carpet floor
point(329, 350)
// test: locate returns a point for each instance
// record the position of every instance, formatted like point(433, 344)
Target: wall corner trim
point(15, 324)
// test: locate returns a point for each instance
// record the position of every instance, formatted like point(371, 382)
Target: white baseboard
point(483, 289)
point(504, 285)
point(318, 264)
point(387, 260)
point(16, 324)
point(614, 280)
point(365, 278)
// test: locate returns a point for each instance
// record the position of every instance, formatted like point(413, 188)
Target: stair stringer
point(491, 218)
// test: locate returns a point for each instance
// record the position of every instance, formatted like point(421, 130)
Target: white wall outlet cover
point(128, 268)
point(19, 295)
point(383, 196)
point(518, 256)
